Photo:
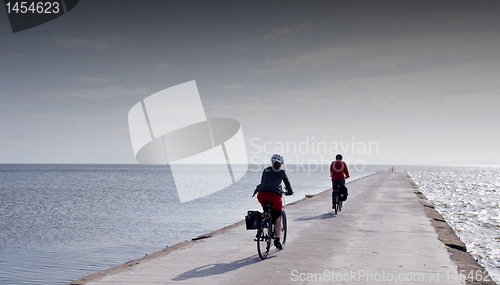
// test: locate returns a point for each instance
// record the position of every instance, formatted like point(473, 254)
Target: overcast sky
point(417, 81)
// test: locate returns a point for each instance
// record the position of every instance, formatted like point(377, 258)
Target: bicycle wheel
point(283, 229)
point(336, 202)
point(264, 241)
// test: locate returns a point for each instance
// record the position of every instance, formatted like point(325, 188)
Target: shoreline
point(456, 248)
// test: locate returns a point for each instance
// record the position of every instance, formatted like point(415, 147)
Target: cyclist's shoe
point(277, 244)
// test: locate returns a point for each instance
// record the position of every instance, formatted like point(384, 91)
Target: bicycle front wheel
point(264, 241)
point(283, 228)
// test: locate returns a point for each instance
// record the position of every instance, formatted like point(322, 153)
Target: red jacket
point(338, 170)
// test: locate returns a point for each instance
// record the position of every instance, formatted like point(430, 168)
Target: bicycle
point(337, 203)
point(265, 231)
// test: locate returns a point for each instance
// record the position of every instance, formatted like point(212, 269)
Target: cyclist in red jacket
point(339, 173)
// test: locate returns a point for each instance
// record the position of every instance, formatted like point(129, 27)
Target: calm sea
point(59, 223)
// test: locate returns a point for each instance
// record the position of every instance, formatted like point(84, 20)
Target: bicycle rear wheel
point(264, 241)
point(283, 229)
point(336, 201)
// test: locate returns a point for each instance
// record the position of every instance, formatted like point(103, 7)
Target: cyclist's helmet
point(338, 157)
point(277, 158)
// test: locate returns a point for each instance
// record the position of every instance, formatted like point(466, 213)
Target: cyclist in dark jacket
point(270, 190)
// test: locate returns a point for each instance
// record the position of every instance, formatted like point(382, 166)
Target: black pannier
point(343, 193)
point(252, 220)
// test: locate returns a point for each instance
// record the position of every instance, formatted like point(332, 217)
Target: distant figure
point(339, 173)
point(270, 190)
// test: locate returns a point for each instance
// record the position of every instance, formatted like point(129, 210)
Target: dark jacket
point(271, 181)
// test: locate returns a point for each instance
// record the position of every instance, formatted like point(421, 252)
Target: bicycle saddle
point(267, 205)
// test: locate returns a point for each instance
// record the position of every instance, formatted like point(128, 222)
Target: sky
point(382, 82)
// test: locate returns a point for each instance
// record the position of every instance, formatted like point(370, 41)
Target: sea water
point(59, 223)
point(468, 197)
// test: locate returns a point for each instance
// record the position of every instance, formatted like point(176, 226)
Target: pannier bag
point(343, 193)
point(252, 220)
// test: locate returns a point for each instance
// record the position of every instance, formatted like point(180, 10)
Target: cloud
point(160, 66)
point(466, 87)
point(304, 26)
point(326, 56)
point(19, 136)
point(277, 62)
point(282, 33)
point(271, 70)
point(424, 49)
point(250, 108)
point(266, 70)
point(237, 86)
point(93, 80)
point(102, 93)
point(72, 42)
point(101, 43)
point(19, 55)
point(277, 34)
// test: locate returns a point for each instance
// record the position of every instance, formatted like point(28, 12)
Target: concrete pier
point(386, 233)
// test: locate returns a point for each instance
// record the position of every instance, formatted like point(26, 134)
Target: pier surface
point(382, 235)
